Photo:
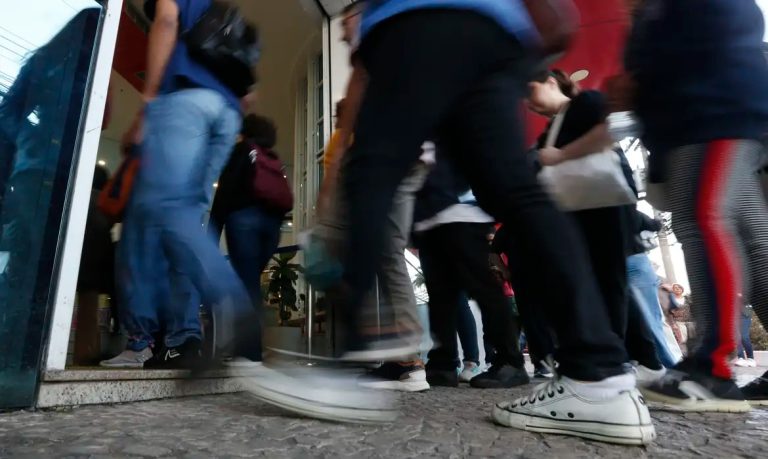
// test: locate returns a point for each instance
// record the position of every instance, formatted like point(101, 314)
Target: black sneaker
point(405, 377)
point(500, 377)
point(542, 373)
point(443, 378)
point(756, 392)
point(695, 392)
point(188, 356)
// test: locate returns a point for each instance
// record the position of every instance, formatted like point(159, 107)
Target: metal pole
point(378, 306)
point(310, 311)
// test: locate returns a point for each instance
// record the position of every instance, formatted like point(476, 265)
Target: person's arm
point(596, 140)
point(585, 118)
point(358, 83)
point(649, 224)
point(162, 40)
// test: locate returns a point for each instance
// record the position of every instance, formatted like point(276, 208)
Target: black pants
point(459, 77)
point(454, 258)
point(607, 234)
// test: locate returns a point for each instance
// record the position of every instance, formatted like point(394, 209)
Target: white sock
point(602, 390)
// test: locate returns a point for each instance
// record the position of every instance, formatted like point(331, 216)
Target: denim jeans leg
point(252, 238)
point(189, 136)
point(642, 280)
point(141, 278)
point(467, 329)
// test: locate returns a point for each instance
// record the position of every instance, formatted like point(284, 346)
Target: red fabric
point(597, 47)
point(721, 248)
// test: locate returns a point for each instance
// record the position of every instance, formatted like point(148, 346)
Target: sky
point(25, 28)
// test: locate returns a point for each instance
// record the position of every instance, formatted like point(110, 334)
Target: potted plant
point(283, 275)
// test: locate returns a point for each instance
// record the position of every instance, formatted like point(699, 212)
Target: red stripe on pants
point(722, 251)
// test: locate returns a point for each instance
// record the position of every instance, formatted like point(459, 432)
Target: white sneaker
point(395, 376)
point(555, 408)
point(751, 363)
point(322, 394)
point(471, 369)
point(128, 359)
point(645, 376)
point(740, 362)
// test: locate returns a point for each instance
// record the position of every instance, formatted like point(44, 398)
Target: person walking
point(452, 238)
point(251, 227)
point(187, 127)
point(643, 283)
point(745, 354)
point(426, 81)
point(703, 127)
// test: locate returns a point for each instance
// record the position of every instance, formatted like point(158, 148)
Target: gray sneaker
point(128, 359)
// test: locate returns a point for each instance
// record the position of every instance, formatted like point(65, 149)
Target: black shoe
point(188, 356)
point(500, 377)
point(695, 391)
point(542, 373)
point(443, 378)
point(756, 392)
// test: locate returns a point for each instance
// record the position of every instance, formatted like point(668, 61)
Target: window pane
point(46, 49)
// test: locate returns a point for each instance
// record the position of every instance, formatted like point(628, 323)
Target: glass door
point(47, 50)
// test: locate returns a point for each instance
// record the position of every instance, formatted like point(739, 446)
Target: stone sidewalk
point(445, 423)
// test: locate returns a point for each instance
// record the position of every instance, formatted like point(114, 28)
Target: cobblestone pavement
point(449, 423)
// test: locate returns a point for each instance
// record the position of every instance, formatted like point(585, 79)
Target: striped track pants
point(719, 215)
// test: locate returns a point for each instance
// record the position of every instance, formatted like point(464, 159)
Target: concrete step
point(89, 386)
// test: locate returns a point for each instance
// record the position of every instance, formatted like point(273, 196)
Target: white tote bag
point(590, 182)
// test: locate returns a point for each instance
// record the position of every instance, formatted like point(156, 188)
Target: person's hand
point(135, 134)
point(551, 156)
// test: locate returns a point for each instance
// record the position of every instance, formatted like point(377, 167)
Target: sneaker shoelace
point(545, 390)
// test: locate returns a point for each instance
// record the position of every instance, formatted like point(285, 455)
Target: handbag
point(590, 182)
point(113, 199)
point(270, 187)
point(226, 44)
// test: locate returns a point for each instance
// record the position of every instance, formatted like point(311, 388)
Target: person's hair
point(569, 88)
point(259, 130)
point(100, 178)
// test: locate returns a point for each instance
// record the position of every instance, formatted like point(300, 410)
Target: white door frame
point(66, 284)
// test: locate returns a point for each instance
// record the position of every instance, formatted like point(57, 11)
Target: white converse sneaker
point(554, 407)
point(740, 362)
point(128, 359)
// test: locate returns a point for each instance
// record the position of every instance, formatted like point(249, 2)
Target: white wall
point(339, 61)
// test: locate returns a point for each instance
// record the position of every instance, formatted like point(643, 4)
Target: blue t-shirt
point(182, 71)
point(510, 14)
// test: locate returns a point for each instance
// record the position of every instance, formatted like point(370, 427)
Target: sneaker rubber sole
point(666, 403)
point(636, 435)
point(402, 386)
point(758, 402)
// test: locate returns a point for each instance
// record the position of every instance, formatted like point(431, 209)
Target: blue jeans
point(167, 264)
point(467, 330)
point(644, 285)
point(252, 238)
point(745, 342)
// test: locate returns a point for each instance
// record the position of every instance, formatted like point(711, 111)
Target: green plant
point(758, 335)
point(282, 284)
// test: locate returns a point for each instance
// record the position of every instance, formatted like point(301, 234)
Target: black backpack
point(226, 44)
